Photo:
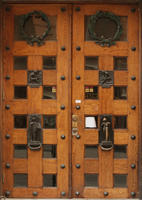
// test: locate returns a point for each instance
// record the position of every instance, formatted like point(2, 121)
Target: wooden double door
point(70, 101)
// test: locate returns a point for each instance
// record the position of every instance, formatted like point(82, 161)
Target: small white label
point(77, 101)
point(90, 122)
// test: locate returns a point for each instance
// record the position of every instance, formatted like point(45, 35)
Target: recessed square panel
point(91, 122)
point(91, 151)
point(120, 122)
point(91, 180)
point(20, 180)
point(49, 121)
point(20, 121)
point(20, 92)
point(49, 151)
point(20, 62)
point(120, 151)
point(20, 151)
point(49, 92)
point(49, 180)
point(91, 63)
point(49, 62)
point(91, 92)
point(120, 63)
point(120, 92)
point(120, 180)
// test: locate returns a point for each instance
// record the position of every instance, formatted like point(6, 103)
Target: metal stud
point(133, 166)
point(7, 48)
point(63, 9)
point(133, 78)
point(63, 48)
point(78, 48)
point(62, 166)
point(77, 9)
point(133, 137)
point(7, 107)
point(77, 166)
point(133, 194)
point(77, 107)
point(7, 9)
point(7, 193)
point(77, 193)
point(77, 136)
point(7, 77)
point(63, 193)
point(35, 193)
point(77, 77)
point(133, 48)
point(133, 10)
point(7, 136)
point(62, 107)
point(63, 78)
point(63, 137)
point(133, 107)
point(106, 193)
point(7, 165)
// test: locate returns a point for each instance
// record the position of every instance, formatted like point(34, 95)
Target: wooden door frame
point(139, 3)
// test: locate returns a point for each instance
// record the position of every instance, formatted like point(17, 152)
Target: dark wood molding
point(73, 1)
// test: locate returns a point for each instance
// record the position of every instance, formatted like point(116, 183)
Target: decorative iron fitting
point(35, 78)
point(35, 137)
point(106, 78)
point(33, 38)
point(100, 38)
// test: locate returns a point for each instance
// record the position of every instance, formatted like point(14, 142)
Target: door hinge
point(3, 95)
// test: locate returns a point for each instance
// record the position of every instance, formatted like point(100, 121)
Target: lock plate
point(106, 134)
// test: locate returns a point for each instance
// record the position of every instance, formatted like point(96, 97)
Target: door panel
point(39, 173)
point(98, 157)
point(111, 173)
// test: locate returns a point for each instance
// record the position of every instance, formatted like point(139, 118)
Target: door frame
point(139, 3)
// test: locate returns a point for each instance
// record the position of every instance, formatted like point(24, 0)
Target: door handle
point(106, 135)
point(74, 125)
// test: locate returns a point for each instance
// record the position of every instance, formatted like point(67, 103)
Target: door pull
point(106, 133)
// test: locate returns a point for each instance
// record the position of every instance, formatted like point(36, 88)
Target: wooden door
point(42, 156)
point(96, 172)
point(35, 81)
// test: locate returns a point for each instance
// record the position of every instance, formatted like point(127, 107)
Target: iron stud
point(78, 48)
point(62, 166)
point(7, 107)
point(7, 193)
point(63, 9)
point(7, 165)
point(77, 193)
point(133, 166)
point(133, 194)
point(7, 77)
point(63, 48)
point(78, 137)
point(77, 9)
point(63, 193)
point(133, 78)
point(7, 48)
point(35, 193)
point(7, 9)
point(133, 10)
point(63, 137)
point(133, 137)
point(62, 107)
point(133, 107)
point(77, 77)
point(133, 48)
point(78, 166)
point(106, 193)
point(77, 107)
point(63, 78)
point(7, 136)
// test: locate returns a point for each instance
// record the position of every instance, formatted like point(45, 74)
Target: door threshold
point(60, 198)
